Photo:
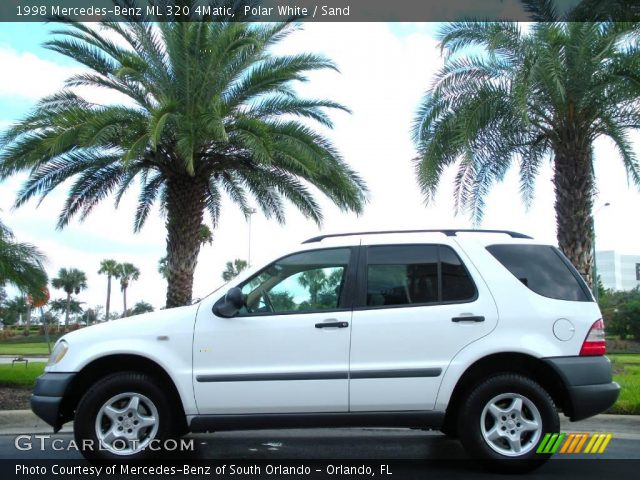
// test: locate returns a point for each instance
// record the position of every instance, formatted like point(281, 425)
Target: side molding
point(401, 419)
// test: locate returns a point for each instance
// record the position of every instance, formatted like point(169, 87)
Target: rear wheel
point(123, 416)
point(504, 419)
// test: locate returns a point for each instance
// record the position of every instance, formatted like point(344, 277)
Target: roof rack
point(447, 232)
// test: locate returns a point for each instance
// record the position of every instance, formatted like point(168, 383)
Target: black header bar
point(307, 10)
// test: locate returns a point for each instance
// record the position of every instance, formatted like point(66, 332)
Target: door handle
point(332, 324)
point(471, 318)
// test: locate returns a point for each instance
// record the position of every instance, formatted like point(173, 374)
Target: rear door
point(417, 306)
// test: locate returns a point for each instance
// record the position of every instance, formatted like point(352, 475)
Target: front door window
point(305, 282)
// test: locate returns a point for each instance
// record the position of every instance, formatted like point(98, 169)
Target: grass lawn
point(626, 371)
point(33, 338)
point(23, 348)
point(19, 375)
point(30, 345)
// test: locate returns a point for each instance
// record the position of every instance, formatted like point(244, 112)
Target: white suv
point(481, 334)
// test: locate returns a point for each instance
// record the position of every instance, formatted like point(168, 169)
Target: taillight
point(594, 344)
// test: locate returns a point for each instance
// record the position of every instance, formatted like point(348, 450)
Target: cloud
point(28, 76)
point(31, 78)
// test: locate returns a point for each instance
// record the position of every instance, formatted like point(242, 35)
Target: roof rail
point(447, 232)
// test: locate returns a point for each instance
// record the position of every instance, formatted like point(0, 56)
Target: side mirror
point(230, 304)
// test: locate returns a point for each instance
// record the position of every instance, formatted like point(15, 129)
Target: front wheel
point(504, 420)
point(123, 416)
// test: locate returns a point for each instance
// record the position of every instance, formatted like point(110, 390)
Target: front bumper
point(588, 382)
point(48, 395)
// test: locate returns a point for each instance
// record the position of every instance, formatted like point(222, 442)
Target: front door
point(287, 350)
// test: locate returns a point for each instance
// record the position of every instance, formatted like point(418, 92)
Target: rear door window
point(544, 270)
point(416, 274)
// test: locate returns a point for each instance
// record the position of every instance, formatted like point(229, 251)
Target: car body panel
point(402, 359)
point(164, 336)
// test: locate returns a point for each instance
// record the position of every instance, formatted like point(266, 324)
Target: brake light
point(594, 344)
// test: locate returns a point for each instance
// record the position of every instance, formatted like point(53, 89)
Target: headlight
point(59, 351)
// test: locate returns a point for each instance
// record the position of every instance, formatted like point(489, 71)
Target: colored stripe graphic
point(573, 443)
point(550, 443)
point(568, 442)
point(598, 443)
point(543, 443)
point(581, 440)
point(606, 442)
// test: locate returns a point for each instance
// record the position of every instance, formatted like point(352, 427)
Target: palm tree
point(508, 95)
point(212, 112)
point(233, 269)
point(109, 268)
point(21, 264)
point(163, 269)
point(14, 310)
point(206, 237)
point(63, 305)
point(127, 272)
point(314, 281)
point(57, 306)
point(141, 307)
point(72, 281)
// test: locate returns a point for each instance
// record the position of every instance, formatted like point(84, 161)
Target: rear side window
point(416, 274)
point(543, 269)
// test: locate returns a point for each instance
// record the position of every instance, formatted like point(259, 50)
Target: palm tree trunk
point(124, 299)
point(28, 320)
point(573, 181)
point(66, 315)
point(185, 205)
point(108, 296)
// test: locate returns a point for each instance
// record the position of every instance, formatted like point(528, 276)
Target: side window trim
point(439, 270)
point(348, 293)
point(363, 264)
point(345, 301)
point(581, 281)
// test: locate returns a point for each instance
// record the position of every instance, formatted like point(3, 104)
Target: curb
point(25, 421)
point(622, 426)
point(28, 355)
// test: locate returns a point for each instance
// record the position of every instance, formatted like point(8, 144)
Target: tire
point(131, 414)
point(503, 412)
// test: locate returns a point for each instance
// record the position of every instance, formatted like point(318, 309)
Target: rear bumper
point(47, 397)
point(588, 383)
point(589, 400)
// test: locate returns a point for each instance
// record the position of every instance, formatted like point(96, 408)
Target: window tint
point(456, 282)
point(542, 269)
point(409, 274)
point(307, 281)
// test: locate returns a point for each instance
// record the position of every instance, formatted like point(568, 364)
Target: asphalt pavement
point(408, 453)
point(335, 443)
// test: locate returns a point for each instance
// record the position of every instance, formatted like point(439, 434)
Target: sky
point(384, 71)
